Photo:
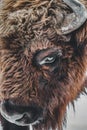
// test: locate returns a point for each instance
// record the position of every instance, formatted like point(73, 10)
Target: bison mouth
point(21, 115)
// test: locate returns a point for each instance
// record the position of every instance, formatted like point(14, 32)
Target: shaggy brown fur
point(29, 32)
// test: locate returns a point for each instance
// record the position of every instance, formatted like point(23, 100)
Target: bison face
point(42, 63)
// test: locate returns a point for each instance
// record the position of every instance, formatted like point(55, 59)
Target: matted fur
point(29, 26)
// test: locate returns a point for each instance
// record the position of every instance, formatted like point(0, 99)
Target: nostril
point(8, 107)
point(25, 117)
point(31, 116)
point(12, 108)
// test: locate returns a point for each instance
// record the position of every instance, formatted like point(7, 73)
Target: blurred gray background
point(78, 120)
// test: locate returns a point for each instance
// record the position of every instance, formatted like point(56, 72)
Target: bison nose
point(21, 114)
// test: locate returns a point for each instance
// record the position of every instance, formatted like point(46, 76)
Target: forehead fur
point(33, 15)
point(22, 3)
point(15, 4)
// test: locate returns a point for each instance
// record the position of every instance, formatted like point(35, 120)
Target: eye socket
point(48, 60)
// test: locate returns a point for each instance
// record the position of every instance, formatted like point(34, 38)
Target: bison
point(43, 61)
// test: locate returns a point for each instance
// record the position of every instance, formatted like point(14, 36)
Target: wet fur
point(21, 80)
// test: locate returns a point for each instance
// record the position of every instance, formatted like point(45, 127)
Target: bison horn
point(74, 20)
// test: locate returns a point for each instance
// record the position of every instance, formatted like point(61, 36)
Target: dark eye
point(48, 60)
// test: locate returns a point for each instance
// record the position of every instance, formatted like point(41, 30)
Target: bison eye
point(48, 60)
point(46, 57)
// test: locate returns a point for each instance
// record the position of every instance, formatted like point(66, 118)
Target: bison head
point(43, 60)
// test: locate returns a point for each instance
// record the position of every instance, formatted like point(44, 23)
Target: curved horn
point(76, 19)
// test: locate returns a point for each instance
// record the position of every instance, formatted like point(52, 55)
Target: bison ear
point(81, 35)
point(74, 20)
